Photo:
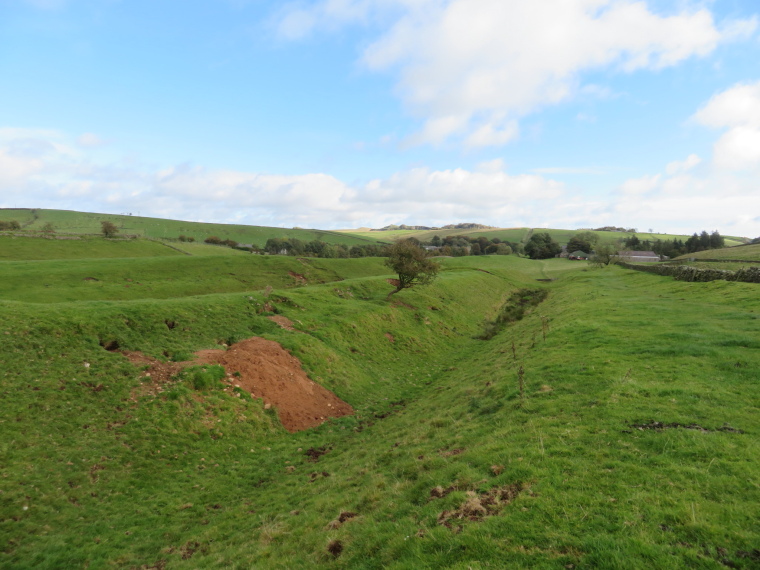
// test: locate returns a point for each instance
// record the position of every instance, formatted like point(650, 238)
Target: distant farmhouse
point(638, 256)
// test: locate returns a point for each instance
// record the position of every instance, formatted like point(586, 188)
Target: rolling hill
point(610, 425)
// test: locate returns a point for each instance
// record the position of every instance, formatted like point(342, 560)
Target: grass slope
point(66, 221)
point(56, 281)
point(523, 234)
point(750, 252)
point(19, 248)
point(95, 474)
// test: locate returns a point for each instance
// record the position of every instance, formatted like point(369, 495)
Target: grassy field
point(507, 234)
point(34, 249)
point(57, 281)
point(745, 252)
point(523, 234)
point(65, 221)
point(614, 426)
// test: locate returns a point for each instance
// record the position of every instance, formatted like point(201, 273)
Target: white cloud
point(635, 187)
point(676, 166)
point(49, 176)
point(470, 68)
point(738, 110)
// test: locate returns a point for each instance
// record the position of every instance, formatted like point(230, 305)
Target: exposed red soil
point(299, 278)
point(267, 371)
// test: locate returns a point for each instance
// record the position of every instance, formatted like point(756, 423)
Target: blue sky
point(351, 113)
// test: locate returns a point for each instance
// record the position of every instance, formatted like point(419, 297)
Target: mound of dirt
point(270, 372)
point(267, 371)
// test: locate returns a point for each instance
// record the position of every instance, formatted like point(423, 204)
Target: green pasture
point(749, 252)
point(507, 234)
point(57, 281)
point(14, 248)
point(65, 221)
point(523, 234)
point(616, 423)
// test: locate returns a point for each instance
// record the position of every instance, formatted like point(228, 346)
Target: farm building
point(639, 256)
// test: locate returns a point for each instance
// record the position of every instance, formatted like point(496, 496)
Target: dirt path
point(267, 371)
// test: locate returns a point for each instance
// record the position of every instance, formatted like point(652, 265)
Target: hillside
point(523, 234)
point(70, 222)
point(612, 426)
point(749, 252)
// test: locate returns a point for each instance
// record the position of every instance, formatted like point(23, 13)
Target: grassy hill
point(20, 248)
point(613, 426)
point(749, 252)
point(65, 221)
point(523, 234)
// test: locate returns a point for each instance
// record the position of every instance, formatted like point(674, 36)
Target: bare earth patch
point(284, 322)
point(266, 370)
point(478, 506)
point(299, 278)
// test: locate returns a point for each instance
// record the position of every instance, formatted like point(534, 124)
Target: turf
point(34, 248)
point(56, 281)
point(743, 253)
point(70, 222)
point(615, 423)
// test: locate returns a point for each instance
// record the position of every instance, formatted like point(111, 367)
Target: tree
point(580, 242)
point(411, 264)
point(716, 240)
point(48, 228)
point(632, 242)
point(604, 255)
point(542, 246)
point(108, 229)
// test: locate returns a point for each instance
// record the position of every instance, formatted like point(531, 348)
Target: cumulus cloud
point(38, 169)
point(470, 68)
point(45, 174)
point(738, 111)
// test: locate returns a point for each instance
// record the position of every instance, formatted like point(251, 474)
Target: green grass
point(166, 277)
point(206, 249)
point(523, 234)
point(507, 234)
point(201, 478)
point(66, 221)
point(744, 252)
point(33, 248)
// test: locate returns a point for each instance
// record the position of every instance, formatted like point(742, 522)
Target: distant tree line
point(463, 245)
point(615, 229)
point(463, 226)
point(676, 247)
point(319, 248)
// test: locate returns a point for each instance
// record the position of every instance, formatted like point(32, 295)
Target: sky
point(362, 113)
